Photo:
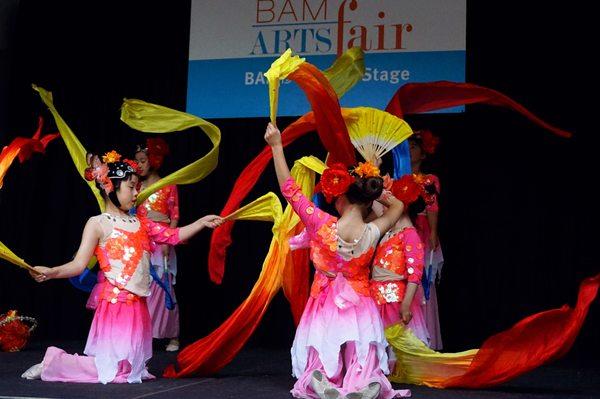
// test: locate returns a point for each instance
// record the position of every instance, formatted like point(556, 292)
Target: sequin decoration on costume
point(328, 262)
point(126, 247)
point(163, 201)
point(401, 254)
point(388, 293)
point(113, 294)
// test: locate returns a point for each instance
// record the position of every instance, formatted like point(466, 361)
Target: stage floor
point(265, 374)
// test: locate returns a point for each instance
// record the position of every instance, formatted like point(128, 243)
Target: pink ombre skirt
point(341, 335)
point(118, 346)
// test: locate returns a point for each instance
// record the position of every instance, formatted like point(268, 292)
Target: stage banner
point(233, 42)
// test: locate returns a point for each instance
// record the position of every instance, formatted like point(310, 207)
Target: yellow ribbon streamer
point(212, 352)
point(74, 146)
point(418, 364)
point(152, 118)
point(345, 72)
point(9, 256)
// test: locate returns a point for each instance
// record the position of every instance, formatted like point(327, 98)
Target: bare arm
point(432, 218)
point(209, 221)
point(395, 207)
point(273, 138)
point(91, 235)
point(409, 295)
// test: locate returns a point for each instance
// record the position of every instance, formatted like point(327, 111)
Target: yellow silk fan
point(374, 132)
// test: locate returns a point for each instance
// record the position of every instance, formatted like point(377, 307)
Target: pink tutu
point(341, 335)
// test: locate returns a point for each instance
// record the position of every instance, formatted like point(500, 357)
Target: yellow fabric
point(9, 256)
point(152, 118)
point(418, 364)
point(74, 146)
point(266, 208)
point(345, 72)
point(280, 69)
point(211, 353)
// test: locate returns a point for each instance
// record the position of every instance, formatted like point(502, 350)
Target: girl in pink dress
point(119, 343)
point(340, 347)
point(398, 265)
point(422, 144)
point(161, 207)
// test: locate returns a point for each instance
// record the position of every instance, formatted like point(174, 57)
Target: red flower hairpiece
point(98, 171)
point(334, 182)
point(156, 149)
point(407, 189)
point(429, 141)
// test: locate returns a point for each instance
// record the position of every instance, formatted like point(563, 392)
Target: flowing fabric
point(152, 118)
point(74, 146)
point(211, 353)
point(23, 148)
point(401, 156)
point(413, 98)
point(8, 255)
point(324, 103)
point(149, 118)
point(345, 72)
point(532, 342)
point(279, 70)
point(334, 82)
point(409, 99)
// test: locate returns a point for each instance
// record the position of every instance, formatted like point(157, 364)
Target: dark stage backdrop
point(518, 218)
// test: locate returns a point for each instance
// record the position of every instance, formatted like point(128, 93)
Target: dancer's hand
point(165, 250)
point(44, 273)
point(385, 197)
point(211, 221)
point(405, 313)
point(272, 135)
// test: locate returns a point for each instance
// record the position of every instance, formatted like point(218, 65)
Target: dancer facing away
point(161, 207)
point(340, 347)
point(423, 144)
point(119, 343)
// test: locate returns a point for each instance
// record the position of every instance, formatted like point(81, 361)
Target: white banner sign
point(233, 42)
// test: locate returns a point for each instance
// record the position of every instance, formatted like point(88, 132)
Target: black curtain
point(518, 219)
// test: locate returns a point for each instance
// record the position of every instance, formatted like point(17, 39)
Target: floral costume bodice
point(123, 253)
point(161, 206)
point(398, 260)
point(331, 255)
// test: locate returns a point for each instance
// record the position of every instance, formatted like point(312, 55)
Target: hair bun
point(365, 190)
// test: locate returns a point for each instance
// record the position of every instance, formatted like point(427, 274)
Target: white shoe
point(33, 372)
point(173, 345)
point(371, 391)
point(322, 386)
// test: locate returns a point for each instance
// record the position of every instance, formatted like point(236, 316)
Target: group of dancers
point(372, 308)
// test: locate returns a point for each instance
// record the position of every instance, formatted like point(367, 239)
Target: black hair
point(419, 205)
point(112, 196)
point(365, 190)
point(119, 172)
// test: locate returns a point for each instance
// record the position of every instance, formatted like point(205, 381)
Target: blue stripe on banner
point(231, 88)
